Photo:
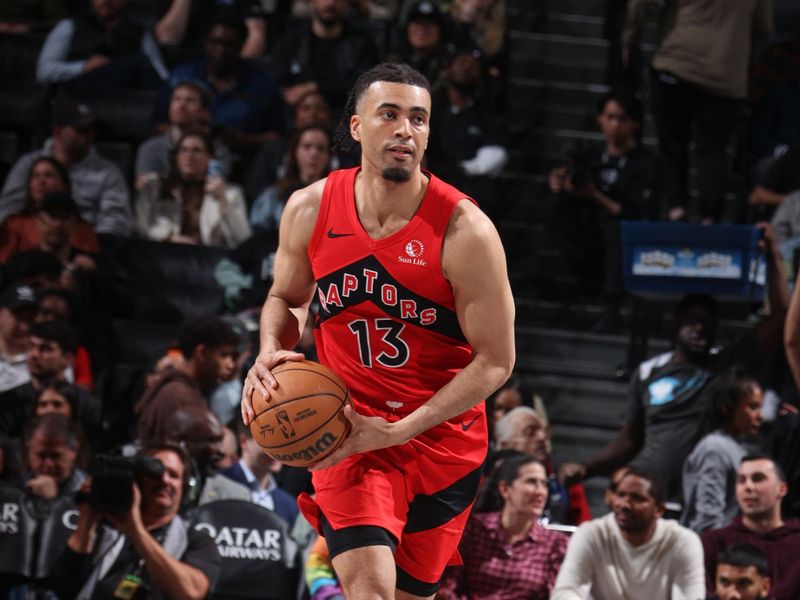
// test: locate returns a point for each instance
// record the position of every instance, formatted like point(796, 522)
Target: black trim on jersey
point(446, 320)
point(356, 536)
point(430, 512)
point(415, 587)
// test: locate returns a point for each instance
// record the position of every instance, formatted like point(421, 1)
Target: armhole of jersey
point(322, 215)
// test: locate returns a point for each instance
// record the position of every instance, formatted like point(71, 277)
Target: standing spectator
point(760, 489)
point(20, 232)
point(98, 186)
point(193, 204)
point(600, 186)
point(17, 312)
point(188, 109)
point(256, 470)
point(633, 552)
point(423, 43)
point(698, 85)
point(245, 104)
point(326, 55)
point(149, 542)
point(507, 554)
point(308, 159)
point(775, 181)
point(184, 23)
point(709, 473)
point(523, 429)
point(101, 48)
point(742, 574)
point(467, 145)
point(208, 346)
point(52, 448)
point(668, 393)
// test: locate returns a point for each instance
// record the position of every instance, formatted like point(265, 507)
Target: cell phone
point(214, 168)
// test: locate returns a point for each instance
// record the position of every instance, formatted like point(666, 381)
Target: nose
point(403, 129)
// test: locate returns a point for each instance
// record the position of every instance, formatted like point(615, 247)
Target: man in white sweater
point(633, 553)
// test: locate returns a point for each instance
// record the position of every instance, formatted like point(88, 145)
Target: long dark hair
point(727, 390)
point(290, 181)
point(63, 174)
point(505, 470)
point(174, 179)
point(68, 391)
point(389, 72)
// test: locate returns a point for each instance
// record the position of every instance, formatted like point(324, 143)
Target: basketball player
point(416, 315)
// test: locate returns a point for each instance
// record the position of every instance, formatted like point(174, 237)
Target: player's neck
point(379, 201)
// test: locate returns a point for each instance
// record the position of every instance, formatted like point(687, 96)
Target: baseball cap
point(69, 113)
point(425, 9)
point(18, 295)
point(59, 204)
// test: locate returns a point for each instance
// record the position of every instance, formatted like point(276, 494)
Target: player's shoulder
point(305, 202)
point(469, 224)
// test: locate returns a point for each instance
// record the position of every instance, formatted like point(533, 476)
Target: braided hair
point(389, 72)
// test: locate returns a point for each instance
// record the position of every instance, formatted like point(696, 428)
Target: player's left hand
point(367, 433)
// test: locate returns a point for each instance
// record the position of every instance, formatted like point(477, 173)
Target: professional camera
point(579, 168)
point(112, 477)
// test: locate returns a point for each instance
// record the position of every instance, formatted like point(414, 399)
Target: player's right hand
point(259, 378)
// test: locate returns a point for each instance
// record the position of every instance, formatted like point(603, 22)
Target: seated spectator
point(320, 577)
point(423, 43)
point(52, 449)
point(200, 432)
point(188, 111)
point(56, 221)
point(709, 473)
point(504, 547)
point(184, 24)
point(20, 232)
point(98, 186)
point(193, 204)
point(326, 55)
point(632, 552)
point(467, 145)
point(225, 401)
point(208, 346)
point(760, 489)
point(150, 544)
point(669, 393)
point(101, 48)
point(21, 17)
point(268, 164)
point(775, 181)
point(246, 107)
point(49, 357)
point(60, 398)
point(742, 574)
point(256, 470)
point(230, 449)
point(600, 186)
point(35, 268)
point(17, 312)
point(171, 360)
point(308, 159)
point(525, 430)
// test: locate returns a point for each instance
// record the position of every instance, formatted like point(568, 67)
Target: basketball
point(303, 421)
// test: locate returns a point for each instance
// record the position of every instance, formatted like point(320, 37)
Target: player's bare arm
point(284, 314)
point(474, 262)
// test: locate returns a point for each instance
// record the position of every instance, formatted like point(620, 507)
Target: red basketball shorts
point(418, 492)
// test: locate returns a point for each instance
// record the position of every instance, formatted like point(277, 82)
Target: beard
point(396, 174)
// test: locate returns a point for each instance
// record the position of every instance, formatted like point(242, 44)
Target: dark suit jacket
point(285, 505)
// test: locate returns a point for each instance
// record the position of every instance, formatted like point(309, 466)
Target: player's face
point(747, 415)
point(185, 106)
point(635, 509)
point(758, 488)
point(44, 179)
point(740, 583)
point(527, 494)
point(46, 358)
point(192, 158)
point(312, 110)
point(696, 328)
point(392, 125)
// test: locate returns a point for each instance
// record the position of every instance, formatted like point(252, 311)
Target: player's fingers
point(264, 376)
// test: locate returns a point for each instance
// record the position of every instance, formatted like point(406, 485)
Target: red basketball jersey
point(387, 322)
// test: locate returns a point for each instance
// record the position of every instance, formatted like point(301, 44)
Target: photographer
point(600, 186)
point(146, 551)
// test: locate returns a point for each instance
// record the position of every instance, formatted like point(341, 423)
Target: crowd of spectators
point(246, 95)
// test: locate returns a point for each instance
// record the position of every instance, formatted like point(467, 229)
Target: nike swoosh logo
point(333, 235)
point(468, 424)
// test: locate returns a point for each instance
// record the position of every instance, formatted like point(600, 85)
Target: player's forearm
point(281, 324)
point(472, 385)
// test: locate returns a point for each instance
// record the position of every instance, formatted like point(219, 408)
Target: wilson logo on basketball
point(414, 251)
point(310, 452)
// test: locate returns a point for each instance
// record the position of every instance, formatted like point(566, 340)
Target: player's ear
point(355, 127)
